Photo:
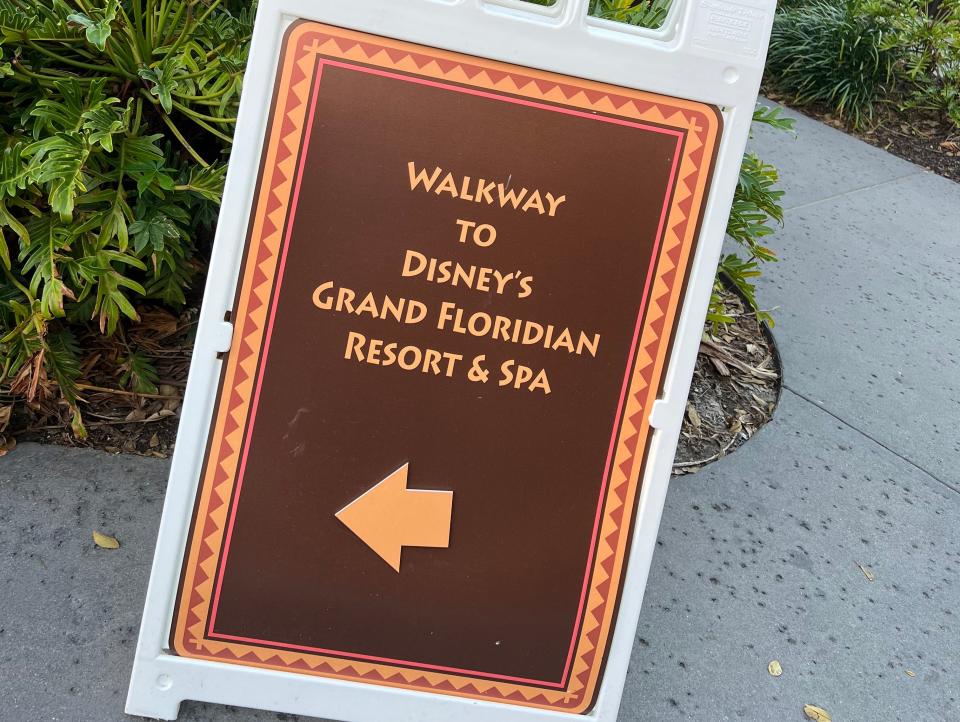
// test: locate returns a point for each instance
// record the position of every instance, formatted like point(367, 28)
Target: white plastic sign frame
point(710, 51)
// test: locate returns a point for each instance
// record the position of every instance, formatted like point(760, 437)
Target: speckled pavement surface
point(758, 554)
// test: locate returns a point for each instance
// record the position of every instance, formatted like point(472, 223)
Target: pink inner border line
point(620, 404)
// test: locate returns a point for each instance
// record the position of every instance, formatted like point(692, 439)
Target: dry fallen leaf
point(137, 414)
point(867, 572)
point(911, 673)
point(693, 415)
point(7, 444)
point(775, 669)
point(720, 366)
point(5, 413)
point(817, 714)
point(172, 402)
point(161, 323)
point(105, 542)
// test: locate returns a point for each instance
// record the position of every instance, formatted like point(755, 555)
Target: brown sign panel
point(458, 298)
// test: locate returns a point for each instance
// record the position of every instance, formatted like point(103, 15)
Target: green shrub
point(642, 13)
point(114, 121)
point(832, 52)
point(756, 202)
point(856, 56)
point(925, 35)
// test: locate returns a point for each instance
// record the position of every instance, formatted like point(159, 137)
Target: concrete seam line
point(879, 443)
point(846, 194)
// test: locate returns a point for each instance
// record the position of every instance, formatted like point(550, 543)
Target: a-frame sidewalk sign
point(453, 310)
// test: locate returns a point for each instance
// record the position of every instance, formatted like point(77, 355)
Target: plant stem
point(200, 116)
point(209, 128)
point(20, 287)
point(77, 63)
point(121, 392)
point(48, 78)
point(183, 141)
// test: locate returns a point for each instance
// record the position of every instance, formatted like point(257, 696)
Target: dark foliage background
point(862, 57)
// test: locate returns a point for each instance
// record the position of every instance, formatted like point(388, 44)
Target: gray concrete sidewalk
point(758, 554)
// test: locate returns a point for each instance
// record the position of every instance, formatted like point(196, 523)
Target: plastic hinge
point(221, 337)
point(664, 414)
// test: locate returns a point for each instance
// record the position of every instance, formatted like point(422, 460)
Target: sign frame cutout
point(710, 52)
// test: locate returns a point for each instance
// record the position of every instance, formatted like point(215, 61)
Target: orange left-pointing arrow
point(389, 516)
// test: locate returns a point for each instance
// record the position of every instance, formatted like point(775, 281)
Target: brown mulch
point(735, 388)
point(116, 419)
point(734, 392)
point(913, 136)
point(928, 143)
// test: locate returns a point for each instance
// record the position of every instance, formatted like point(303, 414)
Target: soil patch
point(735, 388)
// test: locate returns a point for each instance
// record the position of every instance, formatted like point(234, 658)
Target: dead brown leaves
point(723, 356)
point(31, 382)
point(156, 324)
point(733, 393)
point(7, 443)
point(115, 416)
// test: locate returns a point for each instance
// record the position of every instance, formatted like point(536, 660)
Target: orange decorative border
point(306, 41)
